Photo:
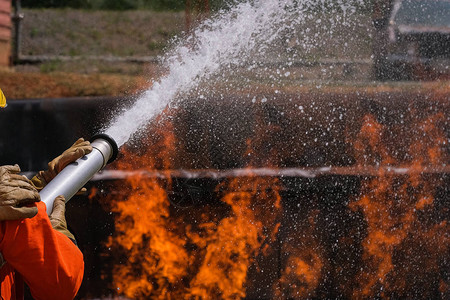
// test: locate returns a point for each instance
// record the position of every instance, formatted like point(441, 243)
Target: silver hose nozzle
point(75, 175)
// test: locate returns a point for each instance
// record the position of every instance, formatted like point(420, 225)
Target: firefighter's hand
point(16, 191)
point(58, 217)
point(77, 150)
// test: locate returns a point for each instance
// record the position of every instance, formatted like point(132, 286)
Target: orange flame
point(164, 254)
point(304, 265)
point(154, 260)
point(233, 246)
point(392, 206)
point(229, 252)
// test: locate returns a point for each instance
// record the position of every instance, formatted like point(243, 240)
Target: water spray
point(75, 175)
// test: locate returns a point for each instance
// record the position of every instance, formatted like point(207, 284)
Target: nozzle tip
point(111, 142)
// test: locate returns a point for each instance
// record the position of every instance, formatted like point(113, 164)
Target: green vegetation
point(72, 32)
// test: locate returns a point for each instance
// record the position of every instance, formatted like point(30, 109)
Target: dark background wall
point(35, 131)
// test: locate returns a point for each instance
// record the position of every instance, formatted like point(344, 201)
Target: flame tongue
point(393, 207)
point(154, 257)
point(148, 245)
point(229, 252)
point(304, 265)
point(232, 248)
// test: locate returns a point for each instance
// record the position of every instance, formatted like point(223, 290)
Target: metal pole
point(17, 18)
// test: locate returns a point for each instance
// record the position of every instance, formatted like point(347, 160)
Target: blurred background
point(120, 41)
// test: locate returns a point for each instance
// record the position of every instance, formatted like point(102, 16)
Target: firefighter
point(35, 248)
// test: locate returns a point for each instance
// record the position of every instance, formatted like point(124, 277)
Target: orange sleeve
point(50, 263)
point(7, 282)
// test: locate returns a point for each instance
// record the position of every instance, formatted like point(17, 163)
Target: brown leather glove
point(77, 150)
point(58, 217)
point(16, 191)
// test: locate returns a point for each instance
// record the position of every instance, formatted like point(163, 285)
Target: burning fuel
point(304, 263)
point(160, 256)
point(399, 213)
point(251, 243)
point(232, 247)
point(152, 255)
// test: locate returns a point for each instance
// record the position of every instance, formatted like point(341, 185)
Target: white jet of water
point(226, 40)
point(231, 38)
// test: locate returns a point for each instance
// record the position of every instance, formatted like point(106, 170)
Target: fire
point(152, 257)
point(160, 256)
point(304, 265)
point(155, 259)
point(217, 251)
point(233, 246)
point(395, 208)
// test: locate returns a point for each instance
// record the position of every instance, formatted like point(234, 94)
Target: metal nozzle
point(75, 175)
point(107, 147)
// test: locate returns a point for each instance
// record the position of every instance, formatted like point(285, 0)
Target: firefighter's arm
point(50, 263)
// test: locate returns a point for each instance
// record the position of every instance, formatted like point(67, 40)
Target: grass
point(79, 32)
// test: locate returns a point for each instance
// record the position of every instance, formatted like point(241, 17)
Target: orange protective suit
point(48, 261)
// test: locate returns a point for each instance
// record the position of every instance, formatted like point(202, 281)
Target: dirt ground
point(22, 85)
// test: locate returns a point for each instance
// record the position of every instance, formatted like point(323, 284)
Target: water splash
point(239, 36)
point(228, 39)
